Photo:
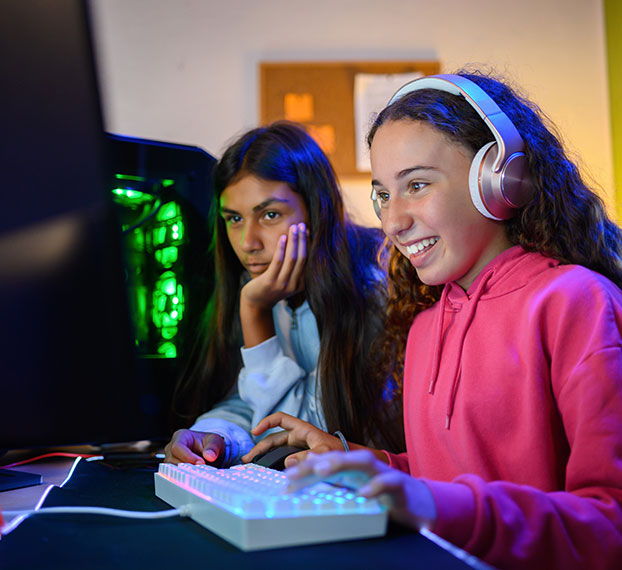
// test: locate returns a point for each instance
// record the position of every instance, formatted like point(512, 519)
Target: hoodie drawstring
point(436, 352)
point(458, 365)
point(438, 334)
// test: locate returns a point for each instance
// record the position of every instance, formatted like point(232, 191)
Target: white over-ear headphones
point(499, 181)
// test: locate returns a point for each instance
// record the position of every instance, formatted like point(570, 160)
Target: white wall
point(186, 70)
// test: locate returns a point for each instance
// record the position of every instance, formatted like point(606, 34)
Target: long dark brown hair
point(565, 220)
point(344, 286)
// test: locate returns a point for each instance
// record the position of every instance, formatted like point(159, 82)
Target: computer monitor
point(71, 370)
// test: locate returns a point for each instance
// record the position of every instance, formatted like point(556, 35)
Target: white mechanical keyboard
point(247, 505)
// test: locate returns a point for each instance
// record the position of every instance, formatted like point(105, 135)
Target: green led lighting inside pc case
point(154, 237)
point(162, 194)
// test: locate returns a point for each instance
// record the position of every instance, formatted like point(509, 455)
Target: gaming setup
point(105, 268)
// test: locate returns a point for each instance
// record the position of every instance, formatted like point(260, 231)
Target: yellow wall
point(613, 26)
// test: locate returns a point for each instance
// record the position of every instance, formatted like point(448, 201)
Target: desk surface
point(90, 541)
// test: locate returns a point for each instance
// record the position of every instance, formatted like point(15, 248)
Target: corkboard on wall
point(320, 95)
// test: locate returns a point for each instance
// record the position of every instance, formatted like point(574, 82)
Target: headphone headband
point(499, 181)
point(508, 139)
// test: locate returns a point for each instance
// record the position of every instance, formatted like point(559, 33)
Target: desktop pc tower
point(162, 194)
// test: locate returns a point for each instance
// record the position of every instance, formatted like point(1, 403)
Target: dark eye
point(416, 186)
point(232, 219)
point(383, 197)
point(272, 215)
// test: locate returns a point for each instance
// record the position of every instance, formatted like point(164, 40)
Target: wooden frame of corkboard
point(323, 96)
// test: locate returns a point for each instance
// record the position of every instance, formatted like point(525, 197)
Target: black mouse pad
point(102, 542)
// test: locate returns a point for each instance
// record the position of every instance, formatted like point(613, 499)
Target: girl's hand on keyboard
point(294, 432)
point(196, 447)
point(410, 500)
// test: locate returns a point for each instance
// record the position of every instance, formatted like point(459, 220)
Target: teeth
point(421, 245)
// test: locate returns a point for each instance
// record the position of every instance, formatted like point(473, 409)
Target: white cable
point(73, 468)
point(182, 511)
point(10, 526)
point(23, 514)
point(467, 558)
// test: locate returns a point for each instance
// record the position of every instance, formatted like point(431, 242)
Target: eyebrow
point(405, 172)
point(258, 207)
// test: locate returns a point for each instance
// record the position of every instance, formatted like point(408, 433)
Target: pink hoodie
point(513, 414)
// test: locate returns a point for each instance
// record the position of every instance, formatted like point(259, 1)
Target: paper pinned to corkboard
point(372, 91)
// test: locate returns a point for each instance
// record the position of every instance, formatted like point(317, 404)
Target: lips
point(255, 267)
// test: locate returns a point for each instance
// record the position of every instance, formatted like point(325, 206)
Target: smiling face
point(421, 180)
point(257, 213)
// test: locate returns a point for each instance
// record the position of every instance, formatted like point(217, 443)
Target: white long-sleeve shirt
point(280, 374)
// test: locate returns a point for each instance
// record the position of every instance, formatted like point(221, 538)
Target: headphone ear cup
point(479, 176)
point(498, 195)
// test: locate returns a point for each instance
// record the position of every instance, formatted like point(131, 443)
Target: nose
point(251, 238)
point(396, 217)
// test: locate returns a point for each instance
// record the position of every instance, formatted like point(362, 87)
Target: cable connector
point(185, 510)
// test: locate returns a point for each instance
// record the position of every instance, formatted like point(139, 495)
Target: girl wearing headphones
point(505, 300)
point(298, 300)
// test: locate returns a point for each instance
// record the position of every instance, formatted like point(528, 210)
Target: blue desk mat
point(93, 541)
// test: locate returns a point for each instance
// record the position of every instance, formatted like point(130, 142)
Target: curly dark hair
point(565, 220)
